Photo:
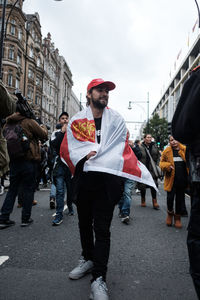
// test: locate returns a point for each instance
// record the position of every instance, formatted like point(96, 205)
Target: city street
point(148, 260)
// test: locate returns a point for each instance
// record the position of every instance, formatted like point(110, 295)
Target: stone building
point(33, 65)
point(52, 69)
point(33, 69)
point(14, 47)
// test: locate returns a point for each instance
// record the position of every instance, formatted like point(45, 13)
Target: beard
point(98, 104)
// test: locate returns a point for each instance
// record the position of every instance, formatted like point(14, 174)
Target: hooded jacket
point(33, 131)
point(166, 162)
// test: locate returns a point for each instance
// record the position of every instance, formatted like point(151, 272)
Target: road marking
point(65, 207)
point(3, 259)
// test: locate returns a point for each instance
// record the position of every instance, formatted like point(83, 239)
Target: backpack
point(17, 142)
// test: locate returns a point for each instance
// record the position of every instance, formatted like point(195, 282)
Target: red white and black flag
point(113, 154)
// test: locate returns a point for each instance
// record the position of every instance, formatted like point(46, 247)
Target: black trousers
point(177, 193)
point(95, 208)
point(22, 174)
point(193, 238)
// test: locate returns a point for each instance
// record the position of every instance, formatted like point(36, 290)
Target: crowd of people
point(91, 161)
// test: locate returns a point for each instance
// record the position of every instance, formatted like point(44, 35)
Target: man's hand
point(92, 153)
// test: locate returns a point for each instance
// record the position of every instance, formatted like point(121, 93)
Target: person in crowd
point(96, 149)
point(136, 149)
point(7, 107)
point(22, 169)
point(175, 179)
point(138, 153)
point(61, 172)
point(125, 201)
point(42, 165)
point(51, 161)
point(185, 128)
point(150, 158)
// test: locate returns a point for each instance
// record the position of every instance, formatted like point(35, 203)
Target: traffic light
point(158, 141)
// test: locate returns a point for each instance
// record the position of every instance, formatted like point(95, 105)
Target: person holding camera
point(22, 162)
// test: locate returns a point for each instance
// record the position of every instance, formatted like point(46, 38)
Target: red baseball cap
point(98, 81)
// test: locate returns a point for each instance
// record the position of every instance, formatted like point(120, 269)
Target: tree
point(157, 127)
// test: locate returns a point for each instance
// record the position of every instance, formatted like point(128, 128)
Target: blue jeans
point(125, 201)
point(23, 175)
point(53, 191)
point(62, 179)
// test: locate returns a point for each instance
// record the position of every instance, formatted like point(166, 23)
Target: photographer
point(22, 165)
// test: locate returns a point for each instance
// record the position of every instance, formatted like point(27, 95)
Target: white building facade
point(169, 100)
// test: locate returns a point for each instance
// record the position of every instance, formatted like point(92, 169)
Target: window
point(37, 81)
point(17, 83)
point(19, 58)
point(30, 93)
point(20, 34)
point(38, 62)
point(31, 52)
point(37, 99)
point(33, 34)
point(10, 78)
point(11, 52)
point(30, 73)
point(12, 27)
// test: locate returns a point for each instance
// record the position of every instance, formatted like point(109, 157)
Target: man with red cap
point(96, 195)
point(96, 149)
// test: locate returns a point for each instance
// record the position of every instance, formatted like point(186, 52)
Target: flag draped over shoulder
point(114, 154)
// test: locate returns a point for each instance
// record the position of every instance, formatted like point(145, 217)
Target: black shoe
point(26, 223)
point(125, 219)
point(6, 223)
point(71, 212)
point(52, 203)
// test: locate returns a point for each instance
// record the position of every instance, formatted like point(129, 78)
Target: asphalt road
point(148, 260)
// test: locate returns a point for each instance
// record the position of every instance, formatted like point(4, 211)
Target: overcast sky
point(133, 43)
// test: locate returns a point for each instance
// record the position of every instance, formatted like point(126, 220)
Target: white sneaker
point(84, 267)
point(99, 290)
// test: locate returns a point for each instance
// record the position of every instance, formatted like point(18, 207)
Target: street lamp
point(4, 28)
point(198, 11)
point(146, 102)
